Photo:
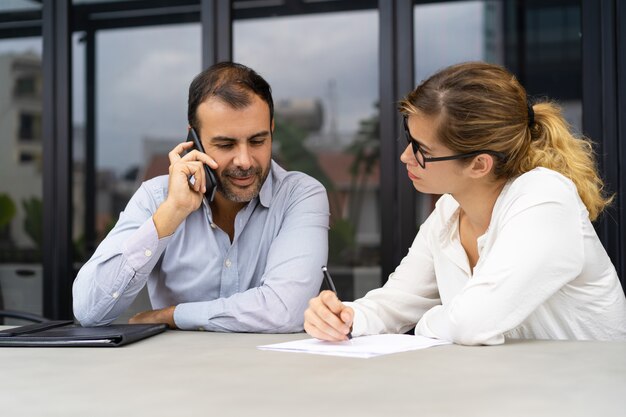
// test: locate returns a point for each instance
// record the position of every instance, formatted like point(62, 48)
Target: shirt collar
point(265, 195)
point(450, 216)
point(450, 223)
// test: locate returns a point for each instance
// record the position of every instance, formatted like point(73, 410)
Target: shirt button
point(148, 252)
point(115, 294)
point(213, 226)
point(228, 263)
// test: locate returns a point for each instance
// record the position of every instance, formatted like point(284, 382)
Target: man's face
point(240, 141)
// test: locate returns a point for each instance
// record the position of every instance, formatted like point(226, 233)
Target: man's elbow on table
point(84, 314)
point(88, 321)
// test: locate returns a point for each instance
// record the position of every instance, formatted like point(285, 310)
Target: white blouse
point(542, 274)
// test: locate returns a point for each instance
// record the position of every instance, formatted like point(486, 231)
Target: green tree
point(293, 155)
point(7, 212)
point(33, 223)
point(366, 151)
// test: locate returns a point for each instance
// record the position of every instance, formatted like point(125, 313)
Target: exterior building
point(21, 137)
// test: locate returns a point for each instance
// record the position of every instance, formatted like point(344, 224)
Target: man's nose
point(243, 159)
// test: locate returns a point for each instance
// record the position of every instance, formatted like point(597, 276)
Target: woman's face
point(438, 177)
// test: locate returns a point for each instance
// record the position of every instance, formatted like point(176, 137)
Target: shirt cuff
point(144, 248)
point(191, 316)
point(359, 325)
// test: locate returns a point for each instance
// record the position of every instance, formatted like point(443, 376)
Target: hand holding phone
point(211, 182)
point(184, 195)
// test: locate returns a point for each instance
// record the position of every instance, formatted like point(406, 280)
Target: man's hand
point(164, 315)
point(327, 318)
point(182, 197)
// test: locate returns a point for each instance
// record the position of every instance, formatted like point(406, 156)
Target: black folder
point(66, 333)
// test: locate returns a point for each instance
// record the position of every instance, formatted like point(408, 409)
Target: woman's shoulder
point(539, 186)
point(543, 181)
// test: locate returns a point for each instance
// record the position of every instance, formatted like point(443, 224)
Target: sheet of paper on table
point(359, 347)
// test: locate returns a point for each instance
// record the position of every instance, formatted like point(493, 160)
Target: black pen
point(329, 282)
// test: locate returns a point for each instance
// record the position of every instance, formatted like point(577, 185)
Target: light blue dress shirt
point(261, 282)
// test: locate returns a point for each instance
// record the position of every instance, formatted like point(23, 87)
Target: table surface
point(216, 374)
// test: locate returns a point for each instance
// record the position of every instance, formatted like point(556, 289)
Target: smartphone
point(211, 182)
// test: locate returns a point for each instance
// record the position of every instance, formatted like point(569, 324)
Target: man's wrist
point(167, 218)
point(169, 317)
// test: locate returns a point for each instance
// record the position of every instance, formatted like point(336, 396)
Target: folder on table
point(66, 333)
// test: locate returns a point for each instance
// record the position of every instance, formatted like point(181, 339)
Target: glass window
point(142, 81)
point(323, 70)
point(19, 5)
point(551, 62)
point(26, 86)
point(542, 47)
point(29, 127)
point(21, 174)
point(438, 28)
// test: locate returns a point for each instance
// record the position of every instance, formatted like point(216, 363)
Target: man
point(247, 261)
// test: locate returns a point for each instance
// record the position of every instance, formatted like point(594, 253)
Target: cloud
point(142, 79)
point(300, 57)
point(446, 34)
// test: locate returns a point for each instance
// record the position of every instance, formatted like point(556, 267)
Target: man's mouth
point(242, 181)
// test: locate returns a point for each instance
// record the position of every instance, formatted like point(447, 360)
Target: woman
point(509, 250)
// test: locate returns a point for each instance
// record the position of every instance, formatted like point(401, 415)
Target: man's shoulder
point(156, 188)
point(293, 183)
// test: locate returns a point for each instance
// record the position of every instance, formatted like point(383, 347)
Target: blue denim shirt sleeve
point(109, 282)
point(282, 247)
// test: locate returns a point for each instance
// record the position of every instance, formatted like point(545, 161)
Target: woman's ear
point(481, 165)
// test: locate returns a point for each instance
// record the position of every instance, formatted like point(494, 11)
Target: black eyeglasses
point(422, 159)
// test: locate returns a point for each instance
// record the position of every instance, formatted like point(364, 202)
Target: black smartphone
point(211, 182)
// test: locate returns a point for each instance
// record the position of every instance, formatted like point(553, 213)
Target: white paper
point(359, 347)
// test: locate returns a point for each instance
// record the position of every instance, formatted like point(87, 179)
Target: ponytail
point(553, 146)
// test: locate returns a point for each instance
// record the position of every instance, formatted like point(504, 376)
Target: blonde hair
point(482, 106)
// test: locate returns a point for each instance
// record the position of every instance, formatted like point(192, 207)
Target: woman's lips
point(411, 176)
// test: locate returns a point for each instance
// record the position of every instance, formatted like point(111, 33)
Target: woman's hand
point(327, 318)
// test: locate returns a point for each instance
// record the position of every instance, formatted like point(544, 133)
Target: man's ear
point(481, 165)
point(272, 125)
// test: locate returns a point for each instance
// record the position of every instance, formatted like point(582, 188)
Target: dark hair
point(483, 106)
point(232, 83)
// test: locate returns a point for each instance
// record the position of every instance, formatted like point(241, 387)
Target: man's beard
point(237, 194)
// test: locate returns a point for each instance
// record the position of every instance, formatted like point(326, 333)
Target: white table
point(211, 374)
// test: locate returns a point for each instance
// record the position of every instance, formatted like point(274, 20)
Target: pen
point(329, 282)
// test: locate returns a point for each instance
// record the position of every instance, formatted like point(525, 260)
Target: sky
point(143, 74)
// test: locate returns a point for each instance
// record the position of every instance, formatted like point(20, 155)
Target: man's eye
point(224, 145)
point(257, 142)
